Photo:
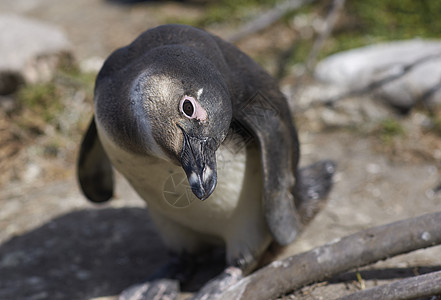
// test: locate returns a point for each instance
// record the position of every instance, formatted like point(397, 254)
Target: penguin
point(204, 135)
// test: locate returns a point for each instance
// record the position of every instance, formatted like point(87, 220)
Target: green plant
point(42, 99)
point(389, 129)
point(363, 23)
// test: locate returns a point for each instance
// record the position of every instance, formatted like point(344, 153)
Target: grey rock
point(7, 104)
point(310, 102)
point(30, 51)
point(409, 71)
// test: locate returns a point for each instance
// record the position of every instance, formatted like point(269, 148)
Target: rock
point(410, 71)
point(310, 102)
point(7, 104)
point(91, 64)
point(30, 51)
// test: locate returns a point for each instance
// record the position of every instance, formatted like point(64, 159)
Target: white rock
point(357, 68)
point(29, 49)
point(91, 64)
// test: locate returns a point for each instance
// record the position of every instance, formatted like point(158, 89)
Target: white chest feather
point(233, 212)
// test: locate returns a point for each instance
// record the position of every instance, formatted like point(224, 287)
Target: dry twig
point(359, 249)
point(331, 19)
point(409, 288)
point(267, 19)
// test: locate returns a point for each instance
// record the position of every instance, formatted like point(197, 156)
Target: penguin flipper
point(279, 154)
point(94, 169)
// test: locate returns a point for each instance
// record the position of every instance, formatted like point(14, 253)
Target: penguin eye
point(192, 109)
point(187, 108)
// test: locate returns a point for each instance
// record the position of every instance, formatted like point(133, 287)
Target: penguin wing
point(94, 169)
point(262, 109)
point(275, 142)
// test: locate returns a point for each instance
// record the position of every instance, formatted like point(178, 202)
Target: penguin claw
point(313, 185)
point(161, 289)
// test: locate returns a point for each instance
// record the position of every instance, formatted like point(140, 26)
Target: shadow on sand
point(80, 255)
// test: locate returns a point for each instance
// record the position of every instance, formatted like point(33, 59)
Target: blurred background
point(363, 79)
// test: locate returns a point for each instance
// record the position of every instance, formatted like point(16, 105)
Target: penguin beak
point(198, 159)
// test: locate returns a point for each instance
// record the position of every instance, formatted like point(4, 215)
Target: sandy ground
point(56, 245)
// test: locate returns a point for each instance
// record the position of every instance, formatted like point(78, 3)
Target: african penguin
point(206, 138)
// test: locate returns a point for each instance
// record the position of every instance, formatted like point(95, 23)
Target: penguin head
point(187, 104)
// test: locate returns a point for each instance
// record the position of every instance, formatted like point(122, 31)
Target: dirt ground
point(56, 245)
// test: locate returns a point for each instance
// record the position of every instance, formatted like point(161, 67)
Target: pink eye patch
point(191, 108)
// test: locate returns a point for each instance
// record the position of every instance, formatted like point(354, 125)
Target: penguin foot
point(312, 188)
point(161, 289)
point(213, 288)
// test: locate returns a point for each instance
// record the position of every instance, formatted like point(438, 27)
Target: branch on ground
point(325, 32)
point(267, 19)
point(409, 288)
point(359, 249)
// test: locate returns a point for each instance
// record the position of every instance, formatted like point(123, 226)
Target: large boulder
point(402, 72)
point(30, 51)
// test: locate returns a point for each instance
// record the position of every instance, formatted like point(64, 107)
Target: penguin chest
point(164, 186)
